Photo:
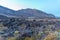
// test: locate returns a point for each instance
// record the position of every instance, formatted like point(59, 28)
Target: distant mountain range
point(26, 13)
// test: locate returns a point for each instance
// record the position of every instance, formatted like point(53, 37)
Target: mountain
point(3, 17)
point(6, 11)
point(26, 13)
point(34, 13)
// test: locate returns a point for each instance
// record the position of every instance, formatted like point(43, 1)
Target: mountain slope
point(6, 11)
point(3, 17)
point(34, 13)
point(26, 13)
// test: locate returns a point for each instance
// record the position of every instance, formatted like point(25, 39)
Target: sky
point(49, 6)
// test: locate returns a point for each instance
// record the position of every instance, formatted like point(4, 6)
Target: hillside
point(39, 25)
point(34, 13)
point(26, 13)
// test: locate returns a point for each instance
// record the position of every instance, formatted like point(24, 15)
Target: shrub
point(29, 38)
point(12, 38)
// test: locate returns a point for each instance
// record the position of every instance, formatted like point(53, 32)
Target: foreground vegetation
point(21, 29)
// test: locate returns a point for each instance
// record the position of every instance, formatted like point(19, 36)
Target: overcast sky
point(49, 6)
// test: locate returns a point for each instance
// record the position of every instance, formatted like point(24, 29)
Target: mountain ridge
point(6, 11)
point(35, 13)
point(25, 13)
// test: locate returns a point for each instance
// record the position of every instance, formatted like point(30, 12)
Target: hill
point(26, 13)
